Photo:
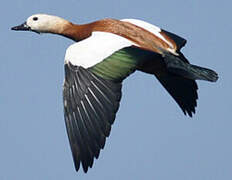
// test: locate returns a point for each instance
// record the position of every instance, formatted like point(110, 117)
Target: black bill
point(22, 27)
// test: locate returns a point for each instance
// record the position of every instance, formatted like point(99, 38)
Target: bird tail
point(177, 66)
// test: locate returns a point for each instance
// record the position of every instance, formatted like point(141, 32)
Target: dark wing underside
point(90, 105)
point(183, 91)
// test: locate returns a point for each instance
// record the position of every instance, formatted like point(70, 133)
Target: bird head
point(42, 23)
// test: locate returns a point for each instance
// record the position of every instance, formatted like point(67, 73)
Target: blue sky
point(151, 138)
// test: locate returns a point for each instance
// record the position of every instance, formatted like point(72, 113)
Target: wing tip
point(77, 165)
point(190, 110)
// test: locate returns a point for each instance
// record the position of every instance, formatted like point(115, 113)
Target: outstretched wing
point(90, 105)
point(94, 70)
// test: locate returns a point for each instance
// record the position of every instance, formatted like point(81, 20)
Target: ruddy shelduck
point(104, 54)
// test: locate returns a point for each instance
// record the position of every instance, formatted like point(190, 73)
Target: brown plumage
point(142, 37)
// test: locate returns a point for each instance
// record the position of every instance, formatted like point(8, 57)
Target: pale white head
point(42, 23)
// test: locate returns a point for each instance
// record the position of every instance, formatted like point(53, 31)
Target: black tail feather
point(177, 66)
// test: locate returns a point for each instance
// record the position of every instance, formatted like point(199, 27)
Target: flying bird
point(105, 52)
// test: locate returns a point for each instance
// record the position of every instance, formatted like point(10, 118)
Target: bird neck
point(78, 32)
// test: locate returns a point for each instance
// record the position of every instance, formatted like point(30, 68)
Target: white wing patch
point(95, 49)
point(149, 27)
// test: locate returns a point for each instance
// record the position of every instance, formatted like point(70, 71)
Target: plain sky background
point(151, 138)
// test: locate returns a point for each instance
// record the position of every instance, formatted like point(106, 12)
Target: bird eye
point(35, 18)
